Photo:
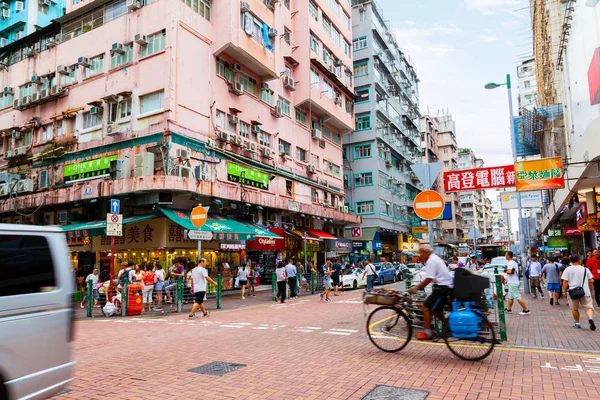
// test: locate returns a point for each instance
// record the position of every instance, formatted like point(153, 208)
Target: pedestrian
point(243, 279)
point(552, 273)
point(327, 270)
point(593, 264)
point(578, 284)
point(473, 263)
point(370, 273)
point(535, 271)
point(199, 278)
point(301, 276)
point(177, 274)
point(159, 279)
point(292, 273)
point(124, 273)
point(147, 286)
point(253, 274)
point(336, 274)
point(94, 278)
point(281, 280)
point(513, 283)
point(138, 274)
point(457, 262)
point(589, 255)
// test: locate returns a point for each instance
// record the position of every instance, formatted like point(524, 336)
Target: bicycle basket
point(468, 286)
point(382, 297)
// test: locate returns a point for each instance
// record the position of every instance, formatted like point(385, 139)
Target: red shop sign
point(267, 244)
point(479, 178)
point(572, 232)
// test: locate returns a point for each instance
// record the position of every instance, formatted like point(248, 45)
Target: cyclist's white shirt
point(436, 269)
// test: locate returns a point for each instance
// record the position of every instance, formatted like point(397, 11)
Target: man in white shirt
point(437, 272)
point(535, 272)
point(94, 278)
point(370, 273)
point(199, 278)
point(574, 276)
point(513, 283)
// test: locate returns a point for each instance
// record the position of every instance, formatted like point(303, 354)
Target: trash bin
point(134, 300)
point(77, 296)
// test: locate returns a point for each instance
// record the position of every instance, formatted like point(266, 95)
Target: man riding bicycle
point(436, 272)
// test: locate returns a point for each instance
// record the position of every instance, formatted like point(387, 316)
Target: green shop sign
point(247, 176)
point(84, 171)
point(558, 242)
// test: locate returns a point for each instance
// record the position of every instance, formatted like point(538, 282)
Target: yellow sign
point(546, 173)
point(413, 247)
point(420, 229)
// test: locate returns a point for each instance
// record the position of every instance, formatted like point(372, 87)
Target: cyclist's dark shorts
point(438, 298)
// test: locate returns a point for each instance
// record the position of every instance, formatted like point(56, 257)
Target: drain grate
point(381, 392)
point(218, 368)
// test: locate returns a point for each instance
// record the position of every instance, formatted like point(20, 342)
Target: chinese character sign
point(480, 178)
point(523, 148)
point(546, 173)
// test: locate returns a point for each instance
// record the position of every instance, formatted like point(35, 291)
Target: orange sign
point(546, 173)
point(429, 205)
point(198, 216)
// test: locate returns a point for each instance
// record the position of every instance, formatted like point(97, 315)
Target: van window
point(25, 265)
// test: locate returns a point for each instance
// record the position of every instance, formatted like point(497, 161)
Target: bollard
point(298, 279)
point(500, 305)
point(438, 323)
point(179, 294)
point(312, 282)
point(407, 278)
point(273, 286)
point(90, 297)
point(124, 298)
point(219, 290)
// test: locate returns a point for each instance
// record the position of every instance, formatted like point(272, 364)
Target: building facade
point(238, 105)
point(527, 80)
point(379, 182)
point(23, 17)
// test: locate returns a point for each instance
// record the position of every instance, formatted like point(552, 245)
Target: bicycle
point(390, 326)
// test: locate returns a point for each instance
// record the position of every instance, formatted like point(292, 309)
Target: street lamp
point(493, 85)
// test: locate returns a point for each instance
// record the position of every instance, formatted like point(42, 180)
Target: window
point(156, 43)
point(220, 119)
point(117, 59)
point(26, 90)
point(327, 89)
point(349, 106)
point(201, 7)
point(301, 116)
point(314, 78)
point(326, 24)
point(231, 127)
point(71, 77)
point(289, 187)
point(25, 140)
point(91, 120)
point(362, 122)
point(362, 151)
point(362, 94)
point(63, 127)
point(266, 95)
point(152, 102)
point(313, 10)
point(314, 43)
point(346, 182)
point(315, 160)
point(47, 82)
point(257, 29)
point(347, 78)
point(284, 147)
point(359, 43)
point(96, 66)
point(244, 130)
point(346, 20)
point(326, 132)
point(446, 150)
point(42, 8)
point(300, 154)
point(335, 35)
point(287, 35)
point(264, 139)
point(125, 108)
point(337, 138)
point(365, 207)
point(284, 105)
point(363, 179)
point(347, 48)
point(6, 100)
point(314, 195)
point(327, 56)
point(224, 71)
point(526, 84)
point(93, 19)
point(385, 207)
point(25, 255)
point(361, 68)
point(249, 84)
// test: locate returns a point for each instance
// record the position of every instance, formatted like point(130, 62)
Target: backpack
point(124, 275)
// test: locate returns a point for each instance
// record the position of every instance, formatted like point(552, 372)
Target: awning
point(368, 234)
point(321, 234)
point(259, 231)
point(97, 228)
point(222, 227)
point(300, 235)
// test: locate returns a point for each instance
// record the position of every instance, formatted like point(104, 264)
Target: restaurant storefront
point(266, 252)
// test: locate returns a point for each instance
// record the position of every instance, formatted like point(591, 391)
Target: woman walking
point(243, 279)
point(147, 285)
point(160, 285)
point(281, 281)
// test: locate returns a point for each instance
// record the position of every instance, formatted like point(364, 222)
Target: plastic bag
point(237, 283)
point(109, 309)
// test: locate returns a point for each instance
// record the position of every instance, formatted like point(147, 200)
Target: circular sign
point(429, 205)
point(198, 216)
point(114, 218)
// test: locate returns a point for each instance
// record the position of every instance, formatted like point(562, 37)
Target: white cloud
point(490, 7)
point(486, 39)
point(410, 23)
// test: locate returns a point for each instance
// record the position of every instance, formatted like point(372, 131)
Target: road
point(308, 349)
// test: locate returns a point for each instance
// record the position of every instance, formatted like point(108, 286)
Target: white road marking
point(343, 330)
point(231, 326)
point(338, 333)
point(261, 327)
point(310, 327)
point(241, 323)
point(305, 330)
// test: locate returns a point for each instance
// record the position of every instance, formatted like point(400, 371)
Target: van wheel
point(354, 285)
point(3, 392)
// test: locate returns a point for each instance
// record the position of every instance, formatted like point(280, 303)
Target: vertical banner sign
point(546, 173)
point(523, 148)
point(479, 178)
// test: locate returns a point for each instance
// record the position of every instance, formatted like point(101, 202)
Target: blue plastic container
point(464, 323)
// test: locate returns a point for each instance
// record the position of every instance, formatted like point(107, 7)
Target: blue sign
point(115, 206)
point(446, 215)
point(523, 148)
point(377, 245)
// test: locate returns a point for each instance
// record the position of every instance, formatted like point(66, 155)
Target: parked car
point(36, 312)
point(401, 270)
point(385, 272)
point(414, 267)
point(353, 278)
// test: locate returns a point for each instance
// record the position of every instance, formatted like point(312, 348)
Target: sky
point(457, 46)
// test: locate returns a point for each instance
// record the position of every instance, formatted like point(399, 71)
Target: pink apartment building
point(237, 105)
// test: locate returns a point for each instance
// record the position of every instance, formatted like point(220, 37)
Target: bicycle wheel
point(475, 349)
point(389, 329)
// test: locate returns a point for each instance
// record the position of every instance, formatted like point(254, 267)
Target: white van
point(36, 312)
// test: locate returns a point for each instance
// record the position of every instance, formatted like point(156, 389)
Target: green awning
point(222, 227)
point(259, 231)
point(97, 228)
point(368, 234)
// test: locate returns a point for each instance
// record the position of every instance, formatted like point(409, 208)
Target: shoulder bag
point(578, 292)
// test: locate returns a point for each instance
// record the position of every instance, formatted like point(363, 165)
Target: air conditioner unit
point(3, 42)
point(133, 4)
point(183, 154)
point(38, 80)
point(19, 151)
point(19, 6)
point(288, 82)
point(63, 70)
point(25, 100)
point(112, 129)
point(9, 90)
point(316, 134)
point(25, 186)
point(51, 42)
point(244, 7)
point(236, 88)
point(264, 85)
point(256, 129)
point(4, 187)
point(44, 94)
point(44, 181)
point(6, 13)
point(35, 97)
point(276, 112)
point(233, 119)
point(311, 168)
point(338, 100)
point(4, 4)
point(272, 32)
point(56, 90)
point(8, 154)
point(237, 67)
point(183, 172)
point(96, 110)
point(120, 169)
point(266, 152)
point(17, 104)
point(141, 39)
point(46, 3)
point(252, 147)
point(144, 164)
point(223, 136)
point(238, 140)
point(83, 61)
point(118, 48)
